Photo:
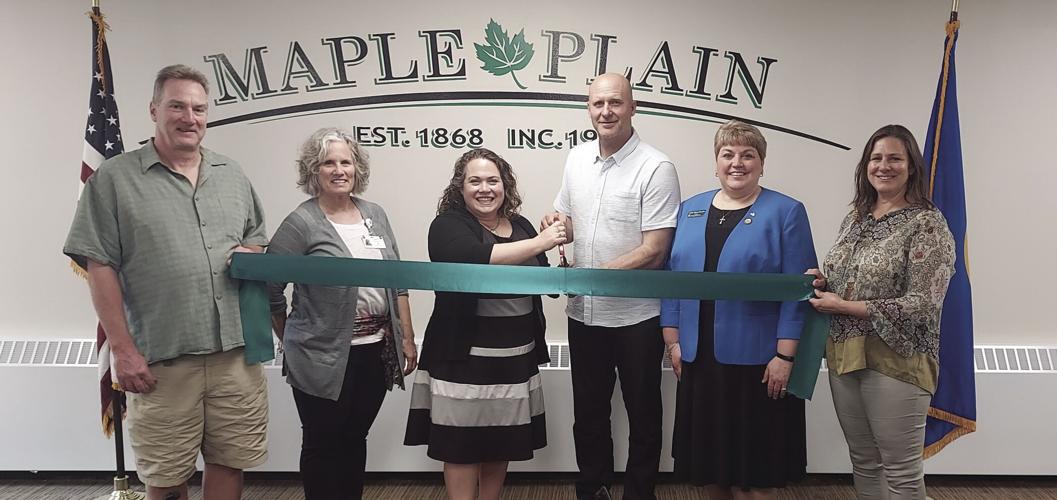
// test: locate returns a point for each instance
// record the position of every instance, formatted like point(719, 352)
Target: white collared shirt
point(612, 201)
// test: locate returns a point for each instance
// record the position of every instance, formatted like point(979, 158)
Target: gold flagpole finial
point(954, 7)
point(95, 4)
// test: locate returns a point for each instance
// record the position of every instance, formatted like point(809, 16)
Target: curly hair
point(917, 193)
point(314, 150)
point(452, 198)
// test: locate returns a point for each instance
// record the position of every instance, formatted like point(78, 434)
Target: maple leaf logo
point(501, 55)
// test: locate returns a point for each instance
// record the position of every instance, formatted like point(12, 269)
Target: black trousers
point(334, 433)
point(599, 355)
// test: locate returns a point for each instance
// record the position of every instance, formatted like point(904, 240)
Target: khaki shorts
point(215, 404)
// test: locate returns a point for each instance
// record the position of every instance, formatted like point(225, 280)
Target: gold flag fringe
point(952, 28)
point(965, 426)
point(100, 42)
point(108, 416)
point(108, 423)
point(78, 270)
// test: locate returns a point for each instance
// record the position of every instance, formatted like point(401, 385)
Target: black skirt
point(486, 408)
point(727, 431)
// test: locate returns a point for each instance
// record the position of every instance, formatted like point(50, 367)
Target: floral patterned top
point(900, 266)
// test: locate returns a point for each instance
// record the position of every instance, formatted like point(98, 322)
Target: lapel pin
point(748, 221)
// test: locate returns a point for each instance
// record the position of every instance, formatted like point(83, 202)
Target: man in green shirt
point(155, 228)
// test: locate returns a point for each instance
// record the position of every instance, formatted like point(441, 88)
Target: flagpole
point(111, 410)
point(952, 411)
point(121, 489)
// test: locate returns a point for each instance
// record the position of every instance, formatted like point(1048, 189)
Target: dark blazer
point(456, 236)
point(777, 240)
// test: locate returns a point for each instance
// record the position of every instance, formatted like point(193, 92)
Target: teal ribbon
point(256, 322)
point(484, 278)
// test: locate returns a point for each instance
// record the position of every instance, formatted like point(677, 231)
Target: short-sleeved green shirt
point(170, 243)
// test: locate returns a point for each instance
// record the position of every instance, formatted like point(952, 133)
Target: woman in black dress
point(477, 401)
point(735, 430)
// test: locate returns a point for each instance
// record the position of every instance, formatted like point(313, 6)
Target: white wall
point(844, 68)
point(53, 415)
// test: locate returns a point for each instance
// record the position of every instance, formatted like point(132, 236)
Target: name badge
point(374, 242)
point(695, 213)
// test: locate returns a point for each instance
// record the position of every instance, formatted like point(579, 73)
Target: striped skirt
point(486, 408)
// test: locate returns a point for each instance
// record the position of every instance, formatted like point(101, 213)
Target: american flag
point(102, 140)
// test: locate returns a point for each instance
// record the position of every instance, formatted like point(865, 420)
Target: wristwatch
point(783, 357)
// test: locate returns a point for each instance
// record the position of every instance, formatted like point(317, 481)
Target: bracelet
point(783, 357)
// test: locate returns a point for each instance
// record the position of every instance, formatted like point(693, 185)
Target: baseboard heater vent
point(47, 352)
point(77, 352)
point(1015, 359)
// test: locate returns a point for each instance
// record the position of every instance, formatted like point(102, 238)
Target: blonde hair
point(735, 133)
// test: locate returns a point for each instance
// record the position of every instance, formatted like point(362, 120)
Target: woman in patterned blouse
point(884, 283)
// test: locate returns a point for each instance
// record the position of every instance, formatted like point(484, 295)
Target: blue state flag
point(953, 410)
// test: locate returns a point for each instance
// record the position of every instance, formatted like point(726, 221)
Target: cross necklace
point(723, 218)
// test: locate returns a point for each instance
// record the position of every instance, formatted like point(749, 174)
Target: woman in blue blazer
point(735, 431)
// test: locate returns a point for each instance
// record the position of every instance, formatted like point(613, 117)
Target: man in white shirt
point(620, 200)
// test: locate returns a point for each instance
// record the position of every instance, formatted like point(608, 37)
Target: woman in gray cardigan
point(344, 346)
